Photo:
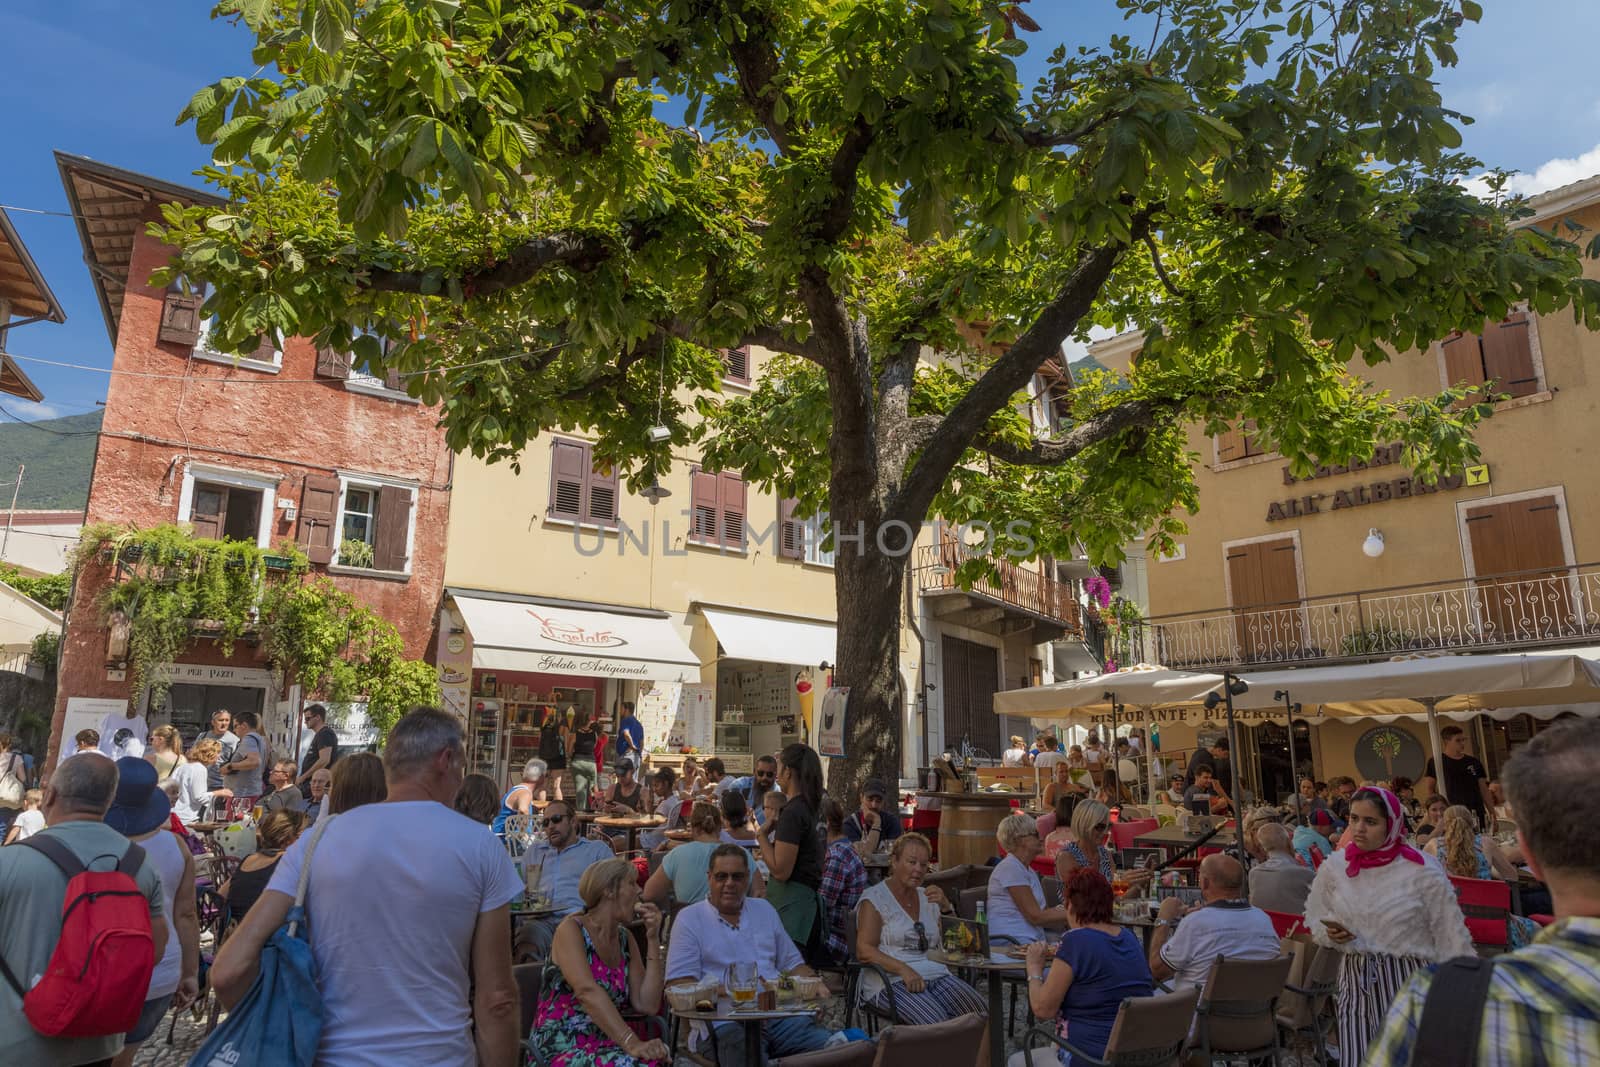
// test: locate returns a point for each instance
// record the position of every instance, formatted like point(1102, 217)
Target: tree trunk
point(870, 586)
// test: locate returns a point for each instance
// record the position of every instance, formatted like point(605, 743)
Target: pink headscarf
point(1358, 860)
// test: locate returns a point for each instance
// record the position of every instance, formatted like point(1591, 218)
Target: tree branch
point(769, 337)
point(1138, 414)
point(942, 447)
point(1161, 271)
point(843, 173)
point(1035, 137)
point(755, 62)
point(579, 251)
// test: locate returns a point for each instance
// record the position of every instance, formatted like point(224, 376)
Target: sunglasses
point(734, 876)
point(922, 936)
point(554, 820)
point(1101, 827)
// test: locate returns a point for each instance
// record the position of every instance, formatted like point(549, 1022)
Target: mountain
point(59, 456)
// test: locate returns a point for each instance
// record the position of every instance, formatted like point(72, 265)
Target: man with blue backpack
point(73, 981)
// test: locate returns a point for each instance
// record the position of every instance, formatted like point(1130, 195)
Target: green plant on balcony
point(1374, 639)
point(354, 553)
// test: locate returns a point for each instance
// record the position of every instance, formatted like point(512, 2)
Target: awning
point(536, 636)
point(771, 639)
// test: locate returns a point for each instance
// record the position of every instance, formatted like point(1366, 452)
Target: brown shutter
point(1508, 356)
point(208, 510)
point(569, 471)
point(736, 363)
point(791, 531)
point(601, 496)
point(1463, 361)
point(332, 363)
point(319, 510)
point(703, 506)
point(1230, 445)
point(266, 351)
point(394, 522)
point(180, 318)
point(731, 504)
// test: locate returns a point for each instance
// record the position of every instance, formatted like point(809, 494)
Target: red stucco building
point(294, 445)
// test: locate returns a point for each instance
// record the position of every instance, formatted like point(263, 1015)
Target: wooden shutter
point(1463, 362)
point(180, 318)
point(730, 502)
point(1230, 445)
point(569, 472)
point(601, 496)
point(703, 499)
point(736, 363)
point(394, 524)
point(1259, 574)
point(1522, 538)
point(208, 510)
point(319, 510)
point(1508, 356)
point(791, 531)
point(332, 363)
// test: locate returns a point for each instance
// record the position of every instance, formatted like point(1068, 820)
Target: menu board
point(658, 711)
point(763, 690)
point(698, 712)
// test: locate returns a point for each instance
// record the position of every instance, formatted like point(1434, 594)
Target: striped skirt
point(946, 997)
point(1368, 984)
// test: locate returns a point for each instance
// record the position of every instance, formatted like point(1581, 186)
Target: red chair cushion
point(1486, 904)
point(1543, 919)
point(1286, 924)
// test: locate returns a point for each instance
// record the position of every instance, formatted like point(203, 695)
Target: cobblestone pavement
point(188, 1034)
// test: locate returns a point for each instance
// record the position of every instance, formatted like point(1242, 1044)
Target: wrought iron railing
point(1012, 585)
point(1523, 609)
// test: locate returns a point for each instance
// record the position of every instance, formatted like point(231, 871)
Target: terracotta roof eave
point(43, 294)
point(14, 382)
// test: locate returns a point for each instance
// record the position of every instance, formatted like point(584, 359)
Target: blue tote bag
point(279, 1021)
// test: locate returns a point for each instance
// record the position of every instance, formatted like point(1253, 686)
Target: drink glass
point(741, 982)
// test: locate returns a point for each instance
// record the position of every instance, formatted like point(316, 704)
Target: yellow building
point(712, 608)
point(1365, 562)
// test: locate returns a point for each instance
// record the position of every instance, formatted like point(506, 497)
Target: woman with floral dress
point(601, 968)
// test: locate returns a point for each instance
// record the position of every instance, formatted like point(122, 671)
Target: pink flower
point(1111, 666)
point(1098, 589)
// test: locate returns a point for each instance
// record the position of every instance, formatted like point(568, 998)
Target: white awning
point(511, 635)
point(767, 639)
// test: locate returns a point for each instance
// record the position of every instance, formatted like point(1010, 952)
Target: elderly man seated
point(560, 860)
point(1223, 924)
point(730, 927)
point(1281, 882)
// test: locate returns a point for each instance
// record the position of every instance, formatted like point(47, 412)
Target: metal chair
point(1052, 891)
point(1149, 1032)
point(951, 881)
point(967, 902)
point(1304, 1009)
point(852, 988)
point(1237, 1017)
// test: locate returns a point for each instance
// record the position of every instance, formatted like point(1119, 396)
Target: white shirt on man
point(395, 893)
point(703, 943)
point(1229, 928)
point(1048, 758)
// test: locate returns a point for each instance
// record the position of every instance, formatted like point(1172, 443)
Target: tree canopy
point(560, 210)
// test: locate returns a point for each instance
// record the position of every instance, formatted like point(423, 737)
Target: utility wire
point(46, 429)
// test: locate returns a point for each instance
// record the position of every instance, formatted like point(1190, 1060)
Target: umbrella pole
point(1149, 760)
point(1438, 748)
point(1294, 774)
point(1233, 771)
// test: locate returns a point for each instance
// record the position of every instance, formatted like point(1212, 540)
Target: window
point(1505, 353)
point(736, 365)
point(228, 505)
point(182, 324)
point(717, 507)
point(1239, 442)
point(802, 538)
point(375, 525)
point(356, 371)
point(579, 492)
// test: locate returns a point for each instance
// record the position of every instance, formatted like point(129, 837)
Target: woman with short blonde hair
point(1016, 895)
point(1090, 847)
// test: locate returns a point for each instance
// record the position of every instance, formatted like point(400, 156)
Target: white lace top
point(1402, 909)
point(899, 937)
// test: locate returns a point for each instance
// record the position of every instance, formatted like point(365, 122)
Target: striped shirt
point(1543, 1006)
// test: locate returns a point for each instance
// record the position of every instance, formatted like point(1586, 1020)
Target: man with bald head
point(1222, 924)
point(1280, 883)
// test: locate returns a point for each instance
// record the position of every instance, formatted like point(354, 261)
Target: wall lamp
point(1373, 545)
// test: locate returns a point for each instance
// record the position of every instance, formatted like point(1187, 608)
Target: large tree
point(559, 210)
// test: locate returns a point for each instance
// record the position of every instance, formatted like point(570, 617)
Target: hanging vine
point(169, 588)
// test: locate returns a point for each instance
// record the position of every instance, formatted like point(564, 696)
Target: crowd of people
point(769, 872)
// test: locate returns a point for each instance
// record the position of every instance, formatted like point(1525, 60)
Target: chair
point(851, 1054)
point(1052, 891)
point(1285, 924)
point(967, 903)
point(1304, 1009)
point(1124, 833)
point(852, 988)
point(951, 881)
point(955, 1041)
point(1486, 903)
point(1149, 1032)
point(530, 984)
point(1237, 1016)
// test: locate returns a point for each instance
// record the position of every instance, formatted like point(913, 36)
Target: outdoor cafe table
point(1174, 838)
point(751, 1018)
point(995, 969)
point(877, 865)
point(632, 824)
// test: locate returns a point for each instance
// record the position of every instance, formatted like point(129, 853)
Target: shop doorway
point(970, 678)
point(189, 706)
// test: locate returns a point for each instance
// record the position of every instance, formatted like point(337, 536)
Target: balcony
point(1489, 613)
point(1013, 600)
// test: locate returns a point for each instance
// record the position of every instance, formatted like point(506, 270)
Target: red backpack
point(100, 970)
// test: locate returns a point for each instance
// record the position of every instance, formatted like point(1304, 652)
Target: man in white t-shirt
point(1049, 755)
point(410, 903)
point(727, 927)
point(1223, 925)
point(117, 721)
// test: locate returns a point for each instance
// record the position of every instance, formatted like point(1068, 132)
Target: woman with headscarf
point(1387, 909)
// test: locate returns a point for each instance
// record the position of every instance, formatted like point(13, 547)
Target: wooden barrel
point(967, 823)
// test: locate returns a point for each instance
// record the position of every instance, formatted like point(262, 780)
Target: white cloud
point(31, 412)
point(1551, 174)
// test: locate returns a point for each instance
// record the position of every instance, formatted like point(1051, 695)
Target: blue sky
point(105, 78)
